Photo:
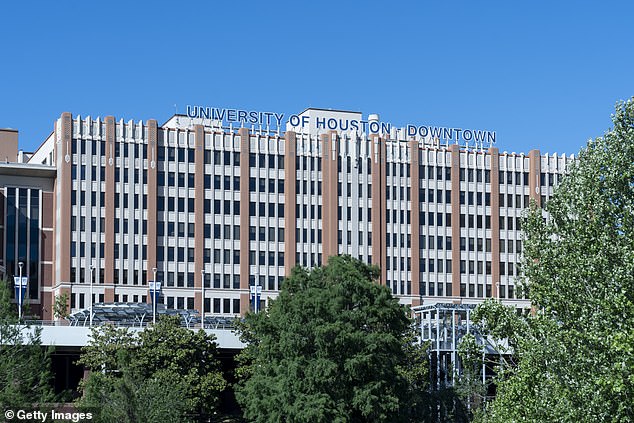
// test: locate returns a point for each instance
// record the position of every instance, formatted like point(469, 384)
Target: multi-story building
point(193, 202)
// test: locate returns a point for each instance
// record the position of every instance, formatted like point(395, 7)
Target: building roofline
point(330, 110)
point(42, 143)
point(172, 117)
point(27, 169)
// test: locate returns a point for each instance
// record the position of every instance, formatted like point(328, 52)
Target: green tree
point(61, 306)
point(25, 375)
point(575, 355)
point(330, 348)
point(166, 373)
point(469, 389)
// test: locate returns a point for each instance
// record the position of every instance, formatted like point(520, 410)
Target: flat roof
point(28, 175)
point(28, 169)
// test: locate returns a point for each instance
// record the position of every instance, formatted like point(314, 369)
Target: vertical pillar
point(495, 221)
point(109, 259)
point(55, 212)
point(152, 193)
point(383, 192)
point(199, 214)
point(64, 187)
point(46, 255)
point(2, 216)
point(290, 201)
point(245, 219)
point(379, 225)
point(455, 220)
point(415, 228)
point(534, 175)
point(330, 196)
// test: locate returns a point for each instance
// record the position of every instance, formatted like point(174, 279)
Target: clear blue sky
point(541, 74)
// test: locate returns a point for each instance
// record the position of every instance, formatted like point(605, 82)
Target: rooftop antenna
point(176, 114)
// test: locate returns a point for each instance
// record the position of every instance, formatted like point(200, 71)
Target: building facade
point(195, 203)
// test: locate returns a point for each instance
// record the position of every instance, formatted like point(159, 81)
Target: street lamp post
point(153, 293)
point(92, 268)
point(20, 264)
point(202, 285)
point(256, 292)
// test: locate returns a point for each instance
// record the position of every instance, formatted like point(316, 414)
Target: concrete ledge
point(78, 336)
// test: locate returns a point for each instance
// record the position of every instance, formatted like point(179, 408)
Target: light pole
point(256, 292)
point(20, 264)
point(202, 285)
point(154, 297)
point(92, 267)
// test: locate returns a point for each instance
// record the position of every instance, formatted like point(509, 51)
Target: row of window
point(78, 249)
point(393, 262)
point(357, 165)
point(440, 289)
point(435, 172)
point(98, 148)
point(79, 173)
point(478, 244)
point(259, 185)
point(309, 236)
point(269, 160)
point(472, 267)
point(174, 177)
point(225, 256)
point(482, 290)
point(507, 201)
point(467, 175)
point(174, 153)
point(519, 178)
point(313, 185)
point(435, 195)
point(405, 288)
point(360, 215)
point(82, 275)
point(395, 216)
point(181, 303)
point(265, 258)
point(187, 155)
point(312, 259)
point(358, 236)
point(435, 265)
point(137, 199)
point(473, 198)
point(435, 289)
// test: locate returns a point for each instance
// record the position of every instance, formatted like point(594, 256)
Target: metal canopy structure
point(140, 314)
point(444, 325)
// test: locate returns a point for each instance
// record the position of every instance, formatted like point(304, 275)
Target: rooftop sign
point(337, 121)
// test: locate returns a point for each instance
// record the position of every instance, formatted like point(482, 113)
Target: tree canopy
point(333, 347)
point(164, 373)
point(25, 375)
point(575, 355)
